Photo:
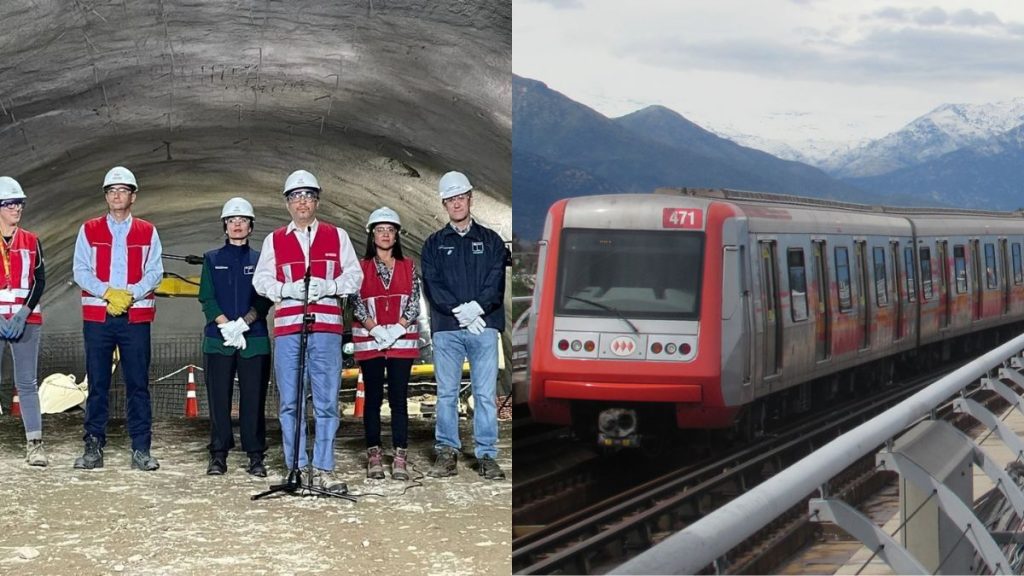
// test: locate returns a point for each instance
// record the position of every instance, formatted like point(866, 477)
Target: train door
point(894, 249)
point(861, 255)
point(1004, 265)
point(945, 294)
point(823, 320)
point(979, 286)
point(770, 299)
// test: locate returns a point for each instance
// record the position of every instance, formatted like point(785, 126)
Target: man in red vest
point(117, 265)
point(326, 251)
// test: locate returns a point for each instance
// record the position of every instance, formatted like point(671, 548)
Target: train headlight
point(670, 349)
point(577, 346)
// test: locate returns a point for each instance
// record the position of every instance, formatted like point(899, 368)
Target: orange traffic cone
point(16, 405)
point(360, 395)
point(191, 403)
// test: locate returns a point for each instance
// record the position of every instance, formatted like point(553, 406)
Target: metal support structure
point(862, 528)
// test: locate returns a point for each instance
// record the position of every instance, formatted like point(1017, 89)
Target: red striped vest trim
point(16, 285)
point(385, 306)
point(324, 262)
point(140, 238)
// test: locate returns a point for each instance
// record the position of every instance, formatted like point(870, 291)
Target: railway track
point(606, 534)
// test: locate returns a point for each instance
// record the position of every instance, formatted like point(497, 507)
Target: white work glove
point(294, 290)
point(467, 312)
point(477, 326)
point(238, 342)
point(396, 331)
point(380, 334)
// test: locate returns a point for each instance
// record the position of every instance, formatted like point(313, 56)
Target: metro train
point(724, 309)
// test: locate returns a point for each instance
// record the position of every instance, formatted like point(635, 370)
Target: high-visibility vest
point(18, 267)
point(385, 305)
point(101, 241)
point(324, 262)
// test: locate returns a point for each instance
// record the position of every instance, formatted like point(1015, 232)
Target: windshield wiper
point(608, 308)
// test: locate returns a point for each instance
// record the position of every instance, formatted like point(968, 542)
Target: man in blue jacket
point(464, 281)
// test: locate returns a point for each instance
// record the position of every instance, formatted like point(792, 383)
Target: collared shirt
point(412, 306)
point(265, 279)
point(85, 274)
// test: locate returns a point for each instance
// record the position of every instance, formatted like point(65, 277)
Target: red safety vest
point(18, 264)
point(140, 238)
point(385, 306)
point(324, 262)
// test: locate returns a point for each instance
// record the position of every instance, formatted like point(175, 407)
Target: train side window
point(926, 272)
point(881, 278)
point(843, 279)
point(908, 266)
point(960, 268)
point(1018, 271)
point(991, 273)
point(797, 283)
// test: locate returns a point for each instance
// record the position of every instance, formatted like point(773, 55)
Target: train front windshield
point(630, 273)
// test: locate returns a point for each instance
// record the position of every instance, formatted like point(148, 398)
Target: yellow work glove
point(118, 301)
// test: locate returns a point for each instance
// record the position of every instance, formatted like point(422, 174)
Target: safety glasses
point(299, 195)
point(12, 204)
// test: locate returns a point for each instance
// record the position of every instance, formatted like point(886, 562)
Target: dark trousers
point(133, 342)
point(253, 378)
point(397, 372)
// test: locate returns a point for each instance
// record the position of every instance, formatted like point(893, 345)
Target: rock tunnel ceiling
point(209, 100)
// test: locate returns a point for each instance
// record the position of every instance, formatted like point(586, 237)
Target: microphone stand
point(293, 484)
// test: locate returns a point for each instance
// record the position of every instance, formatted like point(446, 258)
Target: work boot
point(374, 467)
point(218, 464)
point(93, 455)
point(489, 469)
point(327, 480)
point(446, 463)
point(398, 471)
point(35, 455)
point(143, 460)
point(256, 466)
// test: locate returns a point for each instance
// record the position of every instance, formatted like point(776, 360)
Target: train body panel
point(704, 304)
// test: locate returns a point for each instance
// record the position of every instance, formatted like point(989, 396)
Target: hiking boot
point(327, 480)
point(218, 465)
point(398, 471)
point(93, 455)
point(446, 464)
point(142, 460)
point(374, 467)
point(35, 455)
point(489, 469)
point(256, 466)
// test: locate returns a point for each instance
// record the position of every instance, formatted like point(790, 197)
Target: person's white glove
point(396, 331)
point(294, 290)
point(380, 334)
point(238, 342)
point(467, 312)
point(477, 326)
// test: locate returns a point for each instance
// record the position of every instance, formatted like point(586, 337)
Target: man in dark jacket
point(464, 281)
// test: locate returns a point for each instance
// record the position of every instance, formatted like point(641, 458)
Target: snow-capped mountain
point(816, 153)
point(948, 128)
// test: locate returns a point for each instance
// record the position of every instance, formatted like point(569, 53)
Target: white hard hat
point(384, 214)
point(300, 179)
point(237, 207)
point(120, 175)
point(453, 184)
point(10, 189)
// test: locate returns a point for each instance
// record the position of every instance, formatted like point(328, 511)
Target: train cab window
point(843, 279)
point(1018, 273)
point(630, 274)
point(991, 272)
point(908, 265)
point(881, 279)
point(925, 254)
point(960, 268)
point(797, 284)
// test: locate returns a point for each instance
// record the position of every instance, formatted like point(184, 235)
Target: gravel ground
point(177, 520)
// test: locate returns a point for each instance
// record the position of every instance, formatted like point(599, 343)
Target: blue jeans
point(133, 341)
point(25, 355)
point(451, 347)
point(323, 369)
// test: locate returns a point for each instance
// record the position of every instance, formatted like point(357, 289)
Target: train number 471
point(682, 218)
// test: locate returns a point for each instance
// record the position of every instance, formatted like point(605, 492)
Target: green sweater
point(255, 345)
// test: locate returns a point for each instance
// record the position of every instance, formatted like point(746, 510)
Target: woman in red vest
point(386, 337)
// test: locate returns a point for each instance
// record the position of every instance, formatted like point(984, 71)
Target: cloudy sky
point(789, 70)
